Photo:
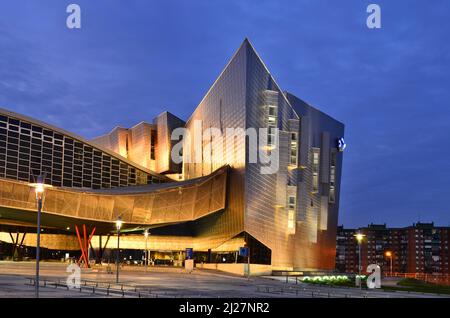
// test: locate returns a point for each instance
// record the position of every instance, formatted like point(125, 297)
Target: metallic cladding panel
point(316, 245)
point(266, 216)
point(323, 213)
point(282, 175)
point(139, 144)
point(222, 107)
point(165, 124)
point(325, 158)
point(133, 144)
point(116, 141)
point(163, 143)
point(304, 141)
point(294, 125)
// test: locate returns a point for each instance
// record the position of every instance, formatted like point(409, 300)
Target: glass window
point(294, 149)
point(291, 214)
point(315, 170)
point(332, 193)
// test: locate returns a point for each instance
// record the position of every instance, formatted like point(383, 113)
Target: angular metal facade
point(316, 244)
point(223, 106)
point(288, 215)
point(258, 203)
point(148, 145)
point(165, 124)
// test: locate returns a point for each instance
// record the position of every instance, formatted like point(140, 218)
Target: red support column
point(84, 244)
point(86, 254)
point(83, 255)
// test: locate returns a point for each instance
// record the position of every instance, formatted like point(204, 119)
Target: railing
point(104, 288)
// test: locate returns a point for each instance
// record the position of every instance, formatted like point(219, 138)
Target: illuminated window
point(291, 214)
point(332, 194)
point(272, 118)
point(293, 154)
point(315, 170)
point(291, 203)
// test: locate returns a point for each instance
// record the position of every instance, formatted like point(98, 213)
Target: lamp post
point(39, 189)
point(118, 226)
point(146, 233)
point(359, 238)
point(389, 254)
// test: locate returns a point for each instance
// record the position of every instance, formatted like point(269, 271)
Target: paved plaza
point(166, 282)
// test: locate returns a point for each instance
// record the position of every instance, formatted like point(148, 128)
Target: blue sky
point(133, 59)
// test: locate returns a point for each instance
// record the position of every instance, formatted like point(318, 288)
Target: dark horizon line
point(393, 227)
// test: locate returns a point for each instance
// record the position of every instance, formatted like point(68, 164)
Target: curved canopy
point(151, 205)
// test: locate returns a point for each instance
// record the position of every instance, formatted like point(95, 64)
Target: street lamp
point(389, 254)
point(39, 189)
point(359, 237)
point(119, 223)
point(146, 234)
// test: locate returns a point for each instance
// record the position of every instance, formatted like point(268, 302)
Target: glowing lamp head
point(39, 187)
point(119, 223)
point(359, 237)
point(388, 253)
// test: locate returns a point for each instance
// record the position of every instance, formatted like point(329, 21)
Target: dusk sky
point(131, 60)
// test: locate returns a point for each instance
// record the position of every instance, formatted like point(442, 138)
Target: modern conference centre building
point(279, 197)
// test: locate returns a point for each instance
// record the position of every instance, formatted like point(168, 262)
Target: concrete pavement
point(172, 282)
